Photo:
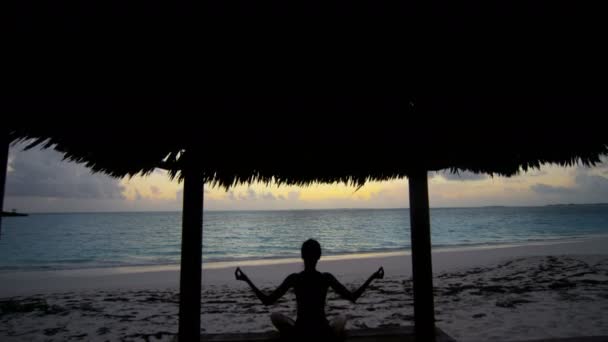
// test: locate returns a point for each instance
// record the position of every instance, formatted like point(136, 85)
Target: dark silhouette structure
point(12, 213)
point(363, 91)
point(311, 288)
point(4, 143)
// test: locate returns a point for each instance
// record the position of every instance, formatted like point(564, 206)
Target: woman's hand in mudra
point(240, 275)
point(379, 274)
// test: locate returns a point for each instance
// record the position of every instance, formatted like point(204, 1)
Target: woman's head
point(311, 252)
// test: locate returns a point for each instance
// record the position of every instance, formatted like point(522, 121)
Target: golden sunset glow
point(444, 190)
point(155, 186)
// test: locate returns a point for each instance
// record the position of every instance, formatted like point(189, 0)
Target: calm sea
point(83, 240)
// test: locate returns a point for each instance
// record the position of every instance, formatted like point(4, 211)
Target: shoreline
point(534, 291)
point(278, 260)
point(270, 271)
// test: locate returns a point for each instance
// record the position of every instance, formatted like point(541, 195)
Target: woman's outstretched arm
point(275, 295)
point(353, 296)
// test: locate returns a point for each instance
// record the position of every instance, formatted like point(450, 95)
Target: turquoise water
point(58, 241)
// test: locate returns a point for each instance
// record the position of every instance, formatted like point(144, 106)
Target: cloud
point(603, 167)
point(268, 196)
point(154, 190)
point(537, 173)
point(545, 189)
point(463, 176)
point(42, 173)
point(588, 188)
point(293, 195)
point(593, 185)
point(250, 195)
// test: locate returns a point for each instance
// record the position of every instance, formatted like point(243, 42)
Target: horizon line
point(311, 209)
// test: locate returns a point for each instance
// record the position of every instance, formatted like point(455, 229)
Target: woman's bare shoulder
point(328, 276)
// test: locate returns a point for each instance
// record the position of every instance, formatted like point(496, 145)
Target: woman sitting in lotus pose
point(311, 290)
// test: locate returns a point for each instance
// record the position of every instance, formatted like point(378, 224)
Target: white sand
point(497, 293)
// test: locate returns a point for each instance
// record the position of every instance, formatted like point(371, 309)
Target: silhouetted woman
point(311, 290)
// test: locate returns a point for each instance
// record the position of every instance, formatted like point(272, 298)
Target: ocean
point(90, 240)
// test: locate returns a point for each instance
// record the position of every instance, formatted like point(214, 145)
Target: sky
point(39, 181)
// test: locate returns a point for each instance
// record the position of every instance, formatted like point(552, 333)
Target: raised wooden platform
point(400, 334)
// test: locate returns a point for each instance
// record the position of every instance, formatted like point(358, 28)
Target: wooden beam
point(422, 267)
point(388, 334)
point(191, 256)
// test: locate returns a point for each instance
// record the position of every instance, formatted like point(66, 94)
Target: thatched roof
point(367, 147)
point(345, 81)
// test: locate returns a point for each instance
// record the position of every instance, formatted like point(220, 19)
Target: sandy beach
point(499, 293)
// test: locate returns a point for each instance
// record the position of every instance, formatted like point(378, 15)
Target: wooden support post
point(191, 257)
point(422, 266)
